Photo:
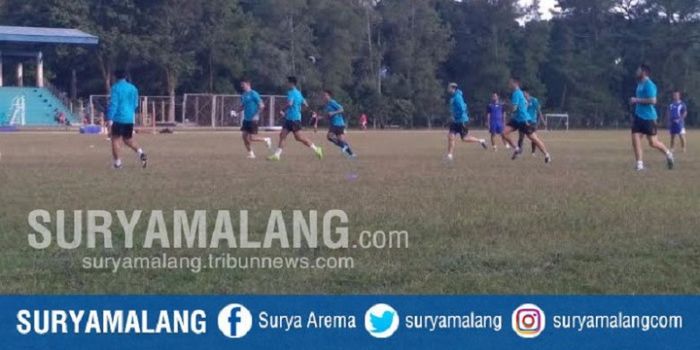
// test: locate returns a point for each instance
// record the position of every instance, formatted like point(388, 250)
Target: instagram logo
point(528, 321)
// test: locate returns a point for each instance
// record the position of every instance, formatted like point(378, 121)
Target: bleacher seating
point(41, 106)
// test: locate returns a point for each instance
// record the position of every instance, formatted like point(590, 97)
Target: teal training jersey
point(460, 112)
point(337, 119)
point(295, 100)
point(123, 103)
point(518, 100)
point(533, 109)
point(251, 105)
point(646, 89)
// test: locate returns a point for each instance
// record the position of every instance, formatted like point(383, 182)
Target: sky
point(545, 6)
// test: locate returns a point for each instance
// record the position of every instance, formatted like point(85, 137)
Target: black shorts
point(337, 130)
point(250, 127)
point(525, 128)
point(645, 127)
point(292, 126)
point(459, 129)
point(125, 131)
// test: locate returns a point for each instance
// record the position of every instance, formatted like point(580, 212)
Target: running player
point(292, 122)
point(315, 118)
point(123, 103)
point(677, 113)
point(496, 119)
point(460, 118)
point(645, 117)
point(336, 132)
point(535, 110)
point(522, 122)
point(251, 106)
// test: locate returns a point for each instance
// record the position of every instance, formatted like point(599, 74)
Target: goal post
point(557, 121)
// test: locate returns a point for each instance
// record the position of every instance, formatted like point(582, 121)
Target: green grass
point(585, 224)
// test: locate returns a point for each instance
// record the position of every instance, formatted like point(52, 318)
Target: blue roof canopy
point(46, 35)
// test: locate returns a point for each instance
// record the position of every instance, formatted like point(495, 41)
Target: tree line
point(390, 59)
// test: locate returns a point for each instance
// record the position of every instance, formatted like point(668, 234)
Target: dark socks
point(335, 142)
point(347, 148)
point(342, 144)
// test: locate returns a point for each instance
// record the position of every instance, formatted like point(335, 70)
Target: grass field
point(485, 224)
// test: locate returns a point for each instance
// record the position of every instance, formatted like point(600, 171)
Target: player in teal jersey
point(336, 131)
point(645, 117)
point(535, 110)
point(251, 106)
point(460, 121)
point(292, 121)
point(522, 122)
point(123, 103)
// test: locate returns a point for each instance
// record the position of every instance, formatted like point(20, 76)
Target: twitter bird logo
point(381, 321)
point(381, 324)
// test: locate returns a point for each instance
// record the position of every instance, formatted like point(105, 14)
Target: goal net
point(557, 121)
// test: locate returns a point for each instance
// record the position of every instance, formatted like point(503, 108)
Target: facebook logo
point(235, 321)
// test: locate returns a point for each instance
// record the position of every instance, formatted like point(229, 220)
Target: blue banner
point(349, 322)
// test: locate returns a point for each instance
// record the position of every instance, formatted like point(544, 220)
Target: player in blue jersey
point(292, 121)
point(460, 119)
point(251, 107)
point(123, 103)
point(645, 117)
point(677, 113)
point(336, 131)
point(522, 122)
point(496, 118)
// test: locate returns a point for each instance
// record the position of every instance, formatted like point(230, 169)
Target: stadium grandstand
point(39, 104)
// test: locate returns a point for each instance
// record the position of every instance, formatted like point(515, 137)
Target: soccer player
point(315, 118)
point(535, 110)
point(496, 119)
point(123, 103)
point(336, 132)
point(677, 113)
point(251, 105)
point(460, 118)
point(363, 121)
point(644, 120)
point(292, 122)
point(522, 122)
point(106, 125)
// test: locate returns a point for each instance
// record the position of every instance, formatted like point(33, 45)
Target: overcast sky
point(545, 5)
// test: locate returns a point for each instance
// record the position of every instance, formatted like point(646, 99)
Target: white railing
point(212, 110)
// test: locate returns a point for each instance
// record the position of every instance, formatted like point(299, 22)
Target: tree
point(283, 43)
point(390, 59)
point(172, 35)
point(420, 44)
point(483, 33)
point(593, 71)
point(225, 32)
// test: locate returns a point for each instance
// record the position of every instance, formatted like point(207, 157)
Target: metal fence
point(153, 110)
point(215, 111)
